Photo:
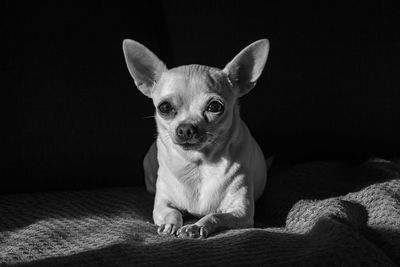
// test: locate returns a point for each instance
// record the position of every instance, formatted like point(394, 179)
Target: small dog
point(205, 161)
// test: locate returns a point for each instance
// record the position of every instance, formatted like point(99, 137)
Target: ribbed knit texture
point(355, 222)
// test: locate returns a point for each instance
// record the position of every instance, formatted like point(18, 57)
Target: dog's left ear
point(245, 69)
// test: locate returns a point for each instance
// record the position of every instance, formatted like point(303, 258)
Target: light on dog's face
point(194, 106)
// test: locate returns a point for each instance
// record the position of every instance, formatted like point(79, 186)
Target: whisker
point(149, 117)
point(210, 134)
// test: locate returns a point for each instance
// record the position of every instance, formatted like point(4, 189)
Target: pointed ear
point(244, 70)
point(144, 67)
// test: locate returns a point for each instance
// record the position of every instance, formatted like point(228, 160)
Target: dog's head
point(196, 104)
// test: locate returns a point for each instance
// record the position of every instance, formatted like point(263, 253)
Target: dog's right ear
point(143, 65)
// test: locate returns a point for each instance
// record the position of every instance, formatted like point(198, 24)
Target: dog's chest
point(202, 187)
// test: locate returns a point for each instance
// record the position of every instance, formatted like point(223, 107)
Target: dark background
point(72, 117)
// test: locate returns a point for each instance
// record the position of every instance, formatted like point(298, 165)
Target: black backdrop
point(74, 119)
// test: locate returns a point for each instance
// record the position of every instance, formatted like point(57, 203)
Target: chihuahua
point(205, 162)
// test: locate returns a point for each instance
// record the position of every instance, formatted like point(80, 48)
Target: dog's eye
point(165, 108)
point(215, 107)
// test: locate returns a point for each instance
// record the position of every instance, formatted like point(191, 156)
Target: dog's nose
point(186, 131)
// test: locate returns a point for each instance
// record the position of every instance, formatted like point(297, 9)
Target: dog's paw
point(167, 229)
point(192, 231)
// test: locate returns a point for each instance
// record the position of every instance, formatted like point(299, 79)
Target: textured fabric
point(321, 213)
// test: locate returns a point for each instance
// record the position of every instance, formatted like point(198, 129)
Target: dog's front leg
point(237, 211)
point(168, 219)
point(214, 222)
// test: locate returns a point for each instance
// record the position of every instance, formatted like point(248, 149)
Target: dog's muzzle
point(189, 136)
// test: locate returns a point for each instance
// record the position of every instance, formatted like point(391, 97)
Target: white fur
point(219, 181)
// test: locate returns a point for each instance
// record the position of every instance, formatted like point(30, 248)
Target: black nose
point(186, 131)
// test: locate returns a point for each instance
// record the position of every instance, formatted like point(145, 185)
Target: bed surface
point(319, 213)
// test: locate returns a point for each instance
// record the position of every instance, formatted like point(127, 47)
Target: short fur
point(215, 170)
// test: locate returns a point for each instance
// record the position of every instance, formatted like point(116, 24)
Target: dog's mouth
point(190, 146)
point(197, 142)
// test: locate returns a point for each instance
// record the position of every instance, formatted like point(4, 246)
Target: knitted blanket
point(321, 213)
